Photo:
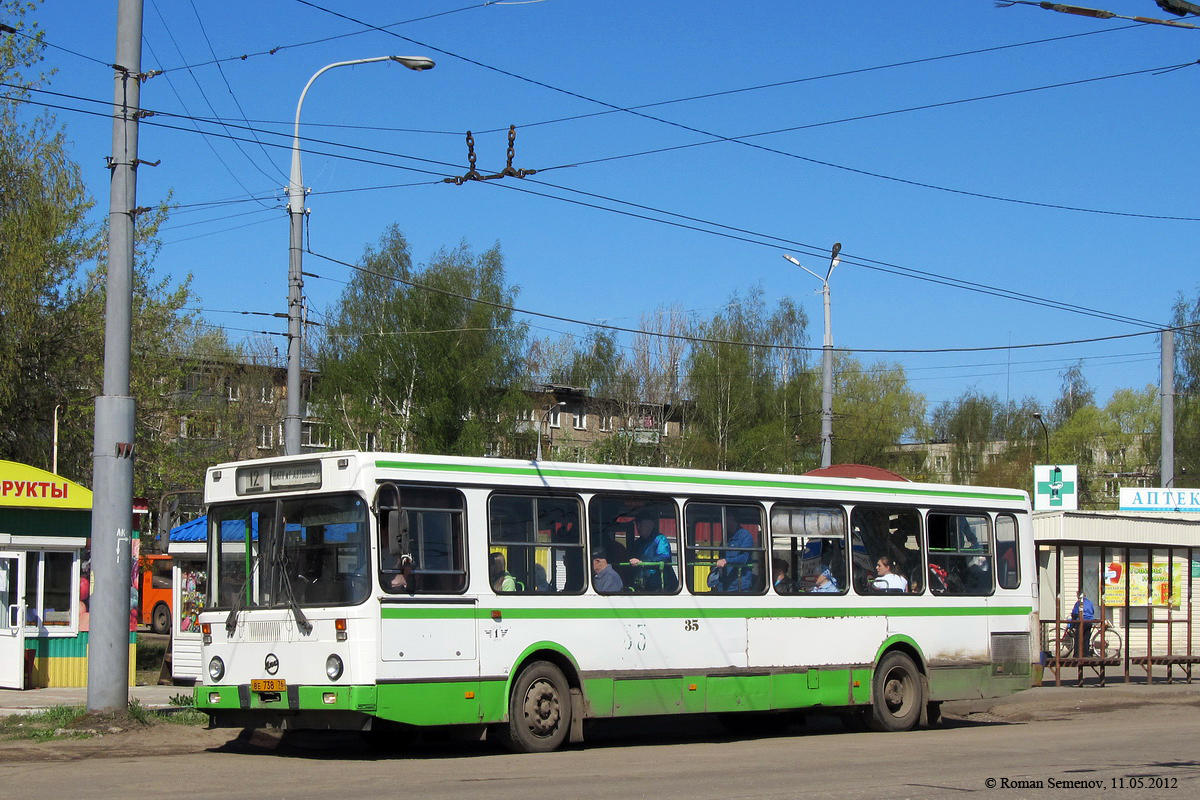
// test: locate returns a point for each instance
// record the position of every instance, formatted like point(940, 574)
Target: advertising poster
point(1148, 584)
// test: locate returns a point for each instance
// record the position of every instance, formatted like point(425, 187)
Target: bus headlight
point(333, 667)
point(216, 668)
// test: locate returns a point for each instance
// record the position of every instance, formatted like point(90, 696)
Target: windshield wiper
point(283, 575)
point(239, 601)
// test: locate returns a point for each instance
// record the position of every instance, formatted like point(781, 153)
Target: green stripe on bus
point(558, 472)
point(698, 613)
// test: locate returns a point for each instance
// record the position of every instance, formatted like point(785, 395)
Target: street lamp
point(1037, 415)
point(542, 421)
point(826, 358)
point(295, 193)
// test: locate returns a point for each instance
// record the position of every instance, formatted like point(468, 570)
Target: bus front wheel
point(539, 710)
point(160, 620)
point(897, 694)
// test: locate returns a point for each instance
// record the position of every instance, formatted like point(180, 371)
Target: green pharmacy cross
point(1056, 487)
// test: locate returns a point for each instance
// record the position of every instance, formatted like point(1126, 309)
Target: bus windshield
point(304, 551)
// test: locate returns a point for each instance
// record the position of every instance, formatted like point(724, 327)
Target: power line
point(221, 70)
point(717, 138)
point(810, 78)
point(323, 40)
point(741, 139)
point(704, 340)
point(877, 266)
point(204, 97)
point(752, 237)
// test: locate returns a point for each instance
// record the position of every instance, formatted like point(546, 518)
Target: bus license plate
point(268, 685)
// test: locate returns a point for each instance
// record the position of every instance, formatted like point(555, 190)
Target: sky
point(1039, 158)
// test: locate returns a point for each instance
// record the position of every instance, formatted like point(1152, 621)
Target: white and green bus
point(389, 592)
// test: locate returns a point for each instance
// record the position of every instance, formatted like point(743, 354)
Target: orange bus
point(154, 592)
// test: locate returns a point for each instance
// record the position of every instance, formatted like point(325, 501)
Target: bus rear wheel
point(539, 710)
point(160, 620)
point(897, 694)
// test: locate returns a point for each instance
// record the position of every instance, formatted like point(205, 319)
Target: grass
point(75, 722)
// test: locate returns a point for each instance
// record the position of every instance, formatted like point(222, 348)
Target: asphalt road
point(1143, 745)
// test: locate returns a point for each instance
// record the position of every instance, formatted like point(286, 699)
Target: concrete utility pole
point(112, 458)
point(826, 358)
point(296, 211)
point(1167, 464)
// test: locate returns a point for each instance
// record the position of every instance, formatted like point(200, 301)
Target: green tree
point(874, 409)
point(45, 239)
point(52, 305)
point(744, 390)
point(422, 359)
point(971, 423)
point(1186, 321)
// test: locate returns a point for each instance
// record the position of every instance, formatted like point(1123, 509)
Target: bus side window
point(808, 549)
point(891, 537)
point(639, 537)
point(725, 545)
point(1008, 574)
point(536, 545)
point(960, 554)
point(437, 561)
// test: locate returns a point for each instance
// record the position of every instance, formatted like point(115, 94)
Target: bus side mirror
point(397, 532)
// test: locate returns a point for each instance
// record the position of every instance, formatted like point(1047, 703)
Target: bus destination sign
point(279, 478)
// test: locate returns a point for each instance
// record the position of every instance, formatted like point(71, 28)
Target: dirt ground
point(123, 737)
point(111, 738)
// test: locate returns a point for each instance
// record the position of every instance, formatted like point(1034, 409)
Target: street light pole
point(295, 194)
point(1037, 415)
point(826, 358)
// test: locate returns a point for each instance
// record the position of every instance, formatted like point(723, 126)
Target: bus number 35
point(691, 624)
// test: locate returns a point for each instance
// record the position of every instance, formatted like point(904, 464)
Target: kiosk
point(45, 578)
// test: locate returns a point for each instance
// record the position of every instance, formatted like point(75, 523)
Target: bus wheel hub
point(542, 707)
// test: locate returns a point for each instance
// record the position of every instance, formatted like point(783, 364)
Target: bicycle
point(1103, 641)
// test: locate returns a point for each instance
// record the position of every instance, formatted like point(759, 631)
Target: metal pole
point(54, 445)
point(1167, 464)
point(826, 358)
point(827, 385)
point(112, 484)
point(1045, 433)
point(295, 193)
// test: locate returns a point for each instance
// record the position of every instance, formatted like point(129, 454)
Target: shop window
point(49, 578)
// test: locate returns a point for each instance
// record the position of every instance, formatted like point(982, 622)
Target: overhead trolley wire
point(740, 139)
point(704, 340)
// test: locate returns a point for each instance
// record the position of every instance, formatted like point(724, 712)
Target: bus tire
point(160, 619)
point(539, 710)
point(897, 694)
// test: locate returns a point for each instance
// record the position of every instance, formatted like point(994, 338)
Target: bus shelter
point(1139, 571)
point(45, 578)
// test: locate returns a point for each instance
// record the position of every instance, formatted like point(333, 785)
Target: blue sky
point(846, 169)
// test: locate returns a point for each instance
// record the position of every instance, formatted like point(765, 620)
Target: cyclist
point(1083, 613)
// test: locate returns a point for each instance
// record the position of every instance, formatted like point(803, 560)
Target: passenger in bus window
point(733, 568)
point(604, 577)
point(825, 582)
point(886, 580)
point(502, 580)
point(783, 582)
point(654, 548)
